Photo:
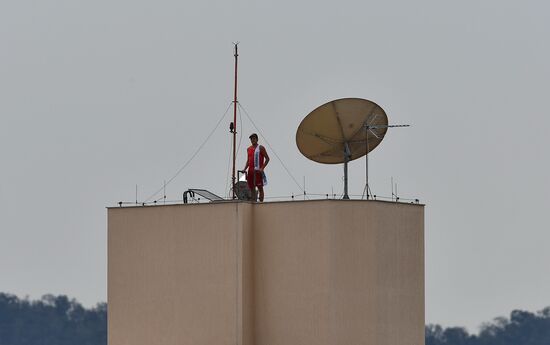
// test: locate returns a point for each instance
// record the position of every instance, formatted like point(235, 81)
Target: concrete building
point(281, 273)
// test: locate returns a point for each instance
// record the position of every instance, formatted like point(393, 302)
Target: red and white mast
point(236, 54)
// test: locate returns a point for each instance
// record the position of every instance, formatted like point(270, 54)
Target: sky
point(97, 97)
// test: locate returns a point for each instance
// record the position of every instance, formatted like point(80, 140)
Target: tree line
point(58, 320)
point(521, 328)
point(52, 320)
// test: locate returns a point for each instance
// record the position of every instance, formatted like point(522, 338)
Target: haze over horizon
point(100, 96)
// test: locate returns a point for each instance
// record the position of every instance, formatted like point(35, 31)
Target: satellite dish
point(340, 131)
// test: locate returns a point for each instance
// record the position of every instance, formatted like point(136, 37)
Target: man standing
point(256, 161)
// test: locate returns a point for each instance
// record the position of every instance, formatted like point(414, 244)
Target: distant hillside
point(52, 320)
point(58, 320)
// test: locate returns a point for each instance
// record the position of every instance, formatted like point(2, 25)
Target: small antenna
point(396, 197)
point(392, 188)
point(304, 188)
point(369, 130)
point(394, 194)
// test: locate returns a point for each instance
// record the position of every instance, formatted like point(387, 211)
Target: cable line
point(192, 157)
point(270, 147)
point(241, 127)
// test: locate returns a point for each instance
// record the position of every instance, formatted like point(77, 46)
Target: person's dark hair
point(253, 135)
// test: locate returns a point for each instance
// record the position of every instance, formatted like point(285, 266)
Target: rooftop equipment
point(343, 130)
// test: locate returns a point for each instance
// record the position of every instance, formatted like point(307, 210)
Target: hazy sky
point(98, 96)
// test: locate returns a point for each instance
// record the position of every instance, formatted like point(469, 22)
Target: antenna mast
point(236, 54)
point(369, 129)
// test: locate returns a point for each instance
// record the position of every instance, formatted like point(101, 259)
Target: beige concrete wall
point(302, 272)
point(339, 272)
point(176, 274)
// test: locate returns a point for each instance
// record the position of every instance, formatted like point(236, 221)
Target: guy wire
point(270, 147)
point(241, 133)
point(192, 157)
